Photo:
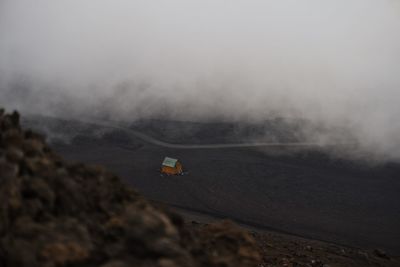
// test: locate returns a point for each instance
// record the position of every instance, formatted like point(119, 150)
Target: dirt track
point(157, 142)
point(304, 192)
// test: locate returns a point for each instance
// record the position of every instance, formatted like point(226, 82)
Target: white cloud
point(335, 62)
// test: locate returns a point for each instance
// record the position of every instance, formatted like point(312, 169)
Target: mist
point(335, 63)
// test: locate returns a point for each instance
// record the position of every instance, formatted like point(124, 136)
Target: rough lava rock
point(53, 213)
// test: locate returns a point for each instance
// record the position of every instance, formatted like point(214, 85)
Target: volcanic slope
point(53, 213)
point(298, 191)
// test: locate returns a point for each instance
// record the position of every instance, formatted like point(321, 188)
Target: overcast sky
point(335, 62)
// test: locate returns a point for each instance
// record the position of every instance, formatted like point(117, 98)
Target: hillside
point(57, 213)
point(302, 191)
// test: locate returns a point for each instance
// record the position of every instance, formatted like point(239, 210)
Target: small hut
point(171, 166)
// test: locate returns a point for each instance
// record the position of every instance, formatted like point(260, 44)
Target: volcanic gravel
point(57, 214)
point(298, 191)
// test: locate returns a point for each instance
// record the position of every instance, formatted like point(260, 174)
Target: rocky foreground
point(53, 213)
point(56, 214)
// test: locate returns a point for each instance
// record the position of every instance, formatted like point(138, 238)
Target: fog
point(335, 62)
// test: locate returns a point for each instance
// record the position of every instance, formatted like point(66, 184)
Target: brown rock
point(14, 154)
point(62, 253)
point(32, 147)
point(56, 214)
point(380, 253)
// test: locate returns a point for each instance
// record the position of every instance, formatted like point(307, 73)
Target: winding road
point(154, 141)
point(305, 193)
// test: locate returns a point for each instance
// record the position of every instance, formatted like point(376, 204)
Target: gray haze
point(334, 62)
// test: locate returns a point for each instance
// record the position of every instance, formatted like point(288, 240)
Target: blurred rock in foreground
point(56, 214)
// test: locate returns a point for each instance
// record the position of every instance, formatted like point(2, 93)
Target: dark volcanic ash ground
point(305, 192)
point(55, 214)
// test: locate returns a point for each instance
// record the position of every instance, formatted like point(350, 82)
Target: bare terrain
point(300, 191)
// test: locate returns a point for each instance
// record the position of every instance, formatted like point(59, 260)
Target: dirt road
point(303, 192)
point(155, 141)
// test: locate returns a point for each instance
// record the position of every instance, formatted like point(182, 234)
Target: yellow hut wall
point(171, 170)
